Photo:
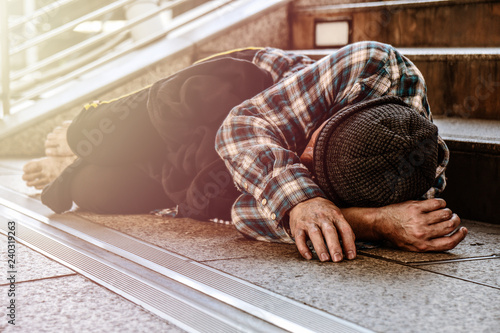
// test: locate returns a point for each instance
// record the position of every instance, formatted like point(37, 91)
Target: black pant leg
point(111, 139)
point(117, 190)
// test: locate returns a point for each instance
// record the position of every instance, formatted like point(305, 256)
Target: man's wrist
point(378, 223)
point(367, 222)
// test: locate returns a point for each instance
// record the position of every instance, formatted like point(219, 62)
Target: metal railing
point(39, 74)
point(4, 45)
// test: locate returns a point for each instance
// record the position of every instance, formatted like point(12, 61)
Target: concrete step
point(419, 23)
point(473, 189)
point(462, 82)
point(305, 3)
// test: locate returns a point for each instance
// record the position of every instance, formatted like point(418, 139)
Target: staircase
point(456, 45)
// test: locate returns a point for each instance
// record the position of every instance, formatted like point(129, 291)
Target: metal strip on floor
point(152, 296)
point(191, 295)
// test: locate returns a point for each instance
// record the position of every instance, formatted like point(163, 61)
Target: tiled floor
point(380, 290)
point(72, 303)
point(53, 298)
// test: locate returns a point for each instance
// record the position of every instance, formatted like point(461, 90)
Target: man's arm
point(418, 226)
point(260, 138)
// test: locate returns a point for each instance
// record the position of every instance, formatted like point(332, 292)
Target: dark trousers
point(129, 163)
point(113, 138)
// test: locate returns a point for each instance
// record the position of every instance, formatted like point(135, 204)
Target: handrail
point(40, 12)
point(112, 56)
point(29, 82)
point(70, 25)
point(182, 45)
point(4, 44)
point(18, 87)
point(93, 40)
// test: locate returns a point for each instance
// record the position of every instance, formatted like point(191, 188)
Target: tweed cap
point(376, 153)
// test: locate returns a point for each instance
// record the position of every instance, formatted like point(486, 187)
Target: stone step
point(419, 23)
point(306, 3)
point(473, 189)
point(462, 82)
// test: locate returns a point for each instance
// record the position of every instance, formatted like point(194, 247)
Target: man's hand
point(319, 219)
point(420, 226)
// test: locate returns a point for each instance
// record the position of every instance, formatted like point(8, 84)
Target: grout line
point(449, 261)
point(366, 254)
point(458, 278)
point(427, 270)
point(41, 279)
point(434, 262)
point(222, 259)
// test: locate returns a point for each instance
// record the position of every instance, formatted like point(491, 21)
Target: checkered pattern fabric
point(261, 138)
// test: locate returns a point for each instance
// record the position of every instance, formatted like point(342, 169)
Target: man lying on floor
point(325, 151)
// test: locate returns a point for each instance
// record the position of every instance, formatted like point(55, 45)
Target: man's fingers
point(332, 240)
point(444, 228)
point(431, 205)
point(348, 238)
point(439, 215)
point(322, 222)
point(316, 236)
point(447, 242)
point(300, 242)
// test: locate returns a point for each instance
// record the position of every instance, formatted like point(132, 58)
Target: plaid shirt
point(261, 139)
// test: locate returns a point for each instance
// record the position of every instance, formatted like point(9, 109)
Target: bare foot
point(42, 171)
point(56, 144)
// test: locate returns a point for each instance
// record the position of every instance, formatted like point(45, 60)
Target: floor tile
point(481, 271)
point(380, 295)
point(210, 241)
point(194, 239)
point(74, 304)
point(31, 265)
